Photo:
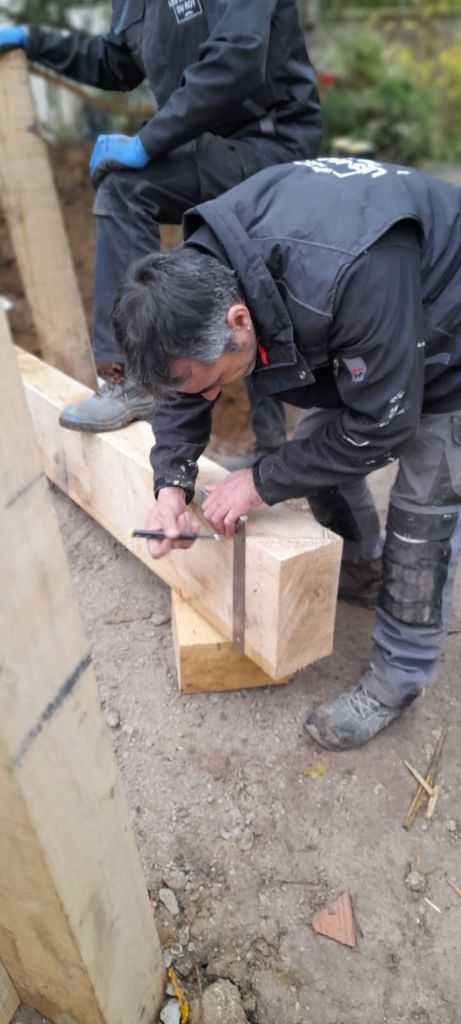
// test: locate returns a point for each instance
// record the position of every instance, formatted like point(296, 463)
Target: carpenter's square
point(238, 581)
point(238, 585)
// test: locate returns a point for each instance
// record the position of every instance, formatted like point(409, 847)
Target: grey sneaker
point(360, 582)
point(116, 404)
point(351, 719)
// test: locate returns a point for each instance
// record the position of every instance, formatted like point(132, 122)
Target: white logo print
point(185, 9)
point(344, 167)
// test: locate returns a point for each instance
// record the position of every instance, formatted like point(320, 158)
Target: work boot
point(118, 402)
point(353, 718)
point(360, 582)
point(245, 461)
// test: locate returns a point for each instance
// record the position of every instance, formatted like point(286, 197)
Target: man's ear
point(238, 317)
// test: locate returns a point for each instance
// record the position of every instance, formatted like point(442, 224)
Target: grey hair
point(174, 304)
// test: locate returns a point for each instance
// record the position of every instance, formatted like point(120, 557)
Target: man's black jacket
point(352, 274)
point(230, 67)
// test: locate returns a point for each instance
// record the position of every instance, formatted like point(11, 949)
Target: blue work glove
point(12, 37)
point(112, 152)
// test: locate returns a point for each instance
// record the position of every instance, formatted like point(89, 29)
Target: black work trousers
point(131, 204)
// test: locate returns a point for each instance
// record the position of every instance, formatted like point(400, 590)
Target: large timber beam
point(292, 562)
point(77, 935)
point(28, 196)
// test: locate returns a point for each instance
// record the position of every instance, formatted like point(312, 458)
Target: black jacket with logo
point(230, 67)
point(352, 273)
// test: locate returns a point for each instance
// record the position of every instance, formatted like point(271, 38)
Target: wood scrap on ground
point(428, 788)
point(337, 921)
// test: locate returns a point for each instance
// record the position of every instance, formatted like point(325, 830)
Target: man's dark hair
point(173, 304)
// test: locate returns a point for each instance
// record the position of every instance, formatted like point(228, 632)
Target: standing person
point(335, 284)
point(235, 91)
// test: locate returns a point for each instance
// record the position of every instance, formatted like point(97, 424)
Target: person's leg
point(349, 510)
point(420, 558)
point(269, 428)
point(129, 206)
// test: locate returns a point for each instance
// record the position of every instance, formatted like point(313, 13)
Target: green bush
point(377, 102)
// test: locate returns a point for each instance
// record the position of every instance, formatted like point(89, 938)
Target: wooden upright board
point(77, 935)
point(292, 563)
point(28, 196)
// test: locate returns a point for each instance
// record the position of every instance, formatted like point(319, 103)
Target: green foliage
point(333, 7)
point(437, 68)
point(377, 102)
point(56, 13)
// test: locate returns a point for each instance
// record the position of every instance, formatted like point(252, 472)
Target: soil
point(250, 844)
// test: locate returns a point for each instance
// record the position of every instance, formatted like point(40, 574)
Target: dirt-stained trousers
point(420, 550)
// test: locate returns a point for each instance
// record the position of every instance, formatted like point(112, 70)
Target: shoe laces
point(362, 703)
point(113, 387)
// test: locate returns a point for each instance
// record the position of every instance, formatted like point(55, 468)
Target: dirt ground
point(249, 843)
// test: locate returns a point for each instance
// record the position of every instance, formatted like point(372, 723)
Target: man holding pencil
point(335, 285)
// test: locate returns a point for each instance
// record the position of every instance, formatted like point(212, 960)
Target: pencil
point(160, 535)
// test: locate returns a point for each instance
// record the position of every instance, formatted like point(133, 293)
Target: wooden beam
point(32, 210)
point(292, 561)
point(9, 999)
point(205, 660)
point(77, 935)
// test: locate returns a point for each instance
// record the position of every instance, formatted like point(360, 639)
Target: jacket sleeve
point(230, 67)
point(102, 61)
point(377, 345)
point(182, 426)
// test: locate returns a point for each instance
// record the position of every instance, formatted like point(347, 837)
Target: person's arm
point(377, 342)
point(230, 67)
point(182, 426)
point(99, 60)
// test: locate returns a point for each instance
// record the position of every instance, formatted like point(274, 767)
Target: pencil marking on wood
point(51, 708)
point(23, 490)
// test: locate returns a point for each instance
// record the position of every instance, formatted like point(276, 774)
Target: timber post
point(77, 936)
point(33, 214)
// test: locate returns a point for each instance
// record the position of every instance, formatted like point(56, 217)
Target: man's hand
point(112, 152)
point(227, 501)
point(12, 37)
point(169, 514)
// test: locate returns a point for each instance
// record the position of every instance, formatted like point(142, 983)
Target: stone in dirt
point(113, 718)
point(169, 900)
point(221, 1004)
point(171, 1013)
point(415, 881)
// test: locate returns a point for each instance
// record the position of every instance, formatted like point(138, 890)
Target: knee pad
point(416, 557)
point(331, 510)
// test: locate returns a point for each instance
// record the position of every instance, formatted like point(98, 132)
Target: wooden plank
point(77, 935)
point(292, 561)
point(205, 660)
point(9, 999)
point(32, 210)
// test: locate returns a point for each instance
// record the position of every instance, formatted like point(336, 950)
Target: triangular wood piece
point(337, 921)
